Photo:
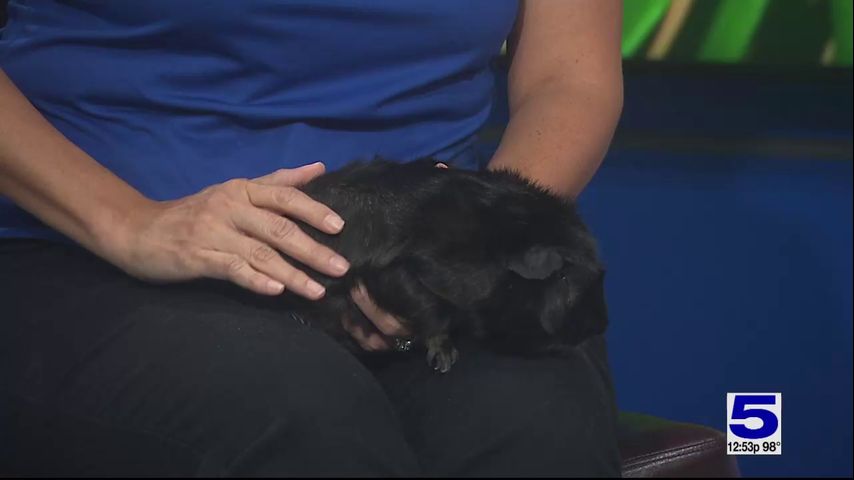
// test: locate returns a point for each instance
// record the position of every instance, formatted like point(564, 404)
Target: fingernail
point(314, 288)
point(275, 286)
point(339, 264)
point(334, 222)
point(379, 343)
point(362, 294)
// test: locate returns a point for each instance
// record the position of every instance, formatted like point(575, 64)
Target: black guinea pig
point(451, 252)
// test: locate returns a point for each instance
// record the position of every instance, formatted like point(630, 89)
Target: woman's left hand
point(380, 332)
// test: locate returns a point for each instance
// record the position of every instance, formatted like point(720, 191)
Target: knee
point(266, 395)
point(564, 416)
point(544, 416)
point(573, 433)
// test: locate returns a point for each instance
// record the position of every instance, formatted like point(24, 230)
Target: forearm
point(559, 135)
point(47, 175)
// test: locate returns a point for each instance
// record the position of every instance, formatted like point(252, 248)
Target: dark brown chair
point(654, 447)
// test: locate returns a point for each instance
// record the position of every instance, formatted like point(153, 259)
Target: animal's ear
point(537, 263)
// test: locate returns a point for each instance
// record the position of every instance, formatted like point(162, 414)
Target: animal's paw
point(441, 353)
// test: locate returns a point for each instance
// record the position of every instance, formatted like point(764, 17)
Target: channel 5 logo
point(754, 423)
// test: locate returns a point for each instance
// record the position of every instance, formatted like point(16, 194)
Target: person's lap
point(498, 415)
point(100, 373)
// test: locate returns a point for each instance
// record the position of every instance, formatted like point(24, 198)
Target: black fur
point(456, 252)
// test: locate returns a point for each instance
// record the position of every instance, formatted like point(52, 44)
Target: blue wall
point(732, 274)
point(732, 271)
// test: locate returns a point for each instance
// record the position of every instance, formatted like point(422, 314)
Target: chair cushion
point(654, 447)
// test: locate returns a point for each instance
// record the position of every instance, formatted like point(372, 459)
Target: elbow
point(617, 96)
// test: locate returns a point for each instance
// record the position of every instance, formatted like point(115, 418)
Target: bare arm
point(229, 231)
point(565, 89)
point(50, 177)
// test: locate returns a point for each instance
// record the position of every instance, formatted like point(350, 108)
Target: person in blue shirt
point(150, 159)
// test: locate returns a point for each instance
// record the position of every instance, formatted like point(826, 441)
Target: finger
point(365, 335)
point(385, 322)
point(441, 165)
point(283, 234)
point(290, 177)
point(295, 204)
point(228, 266)
point(264, 259)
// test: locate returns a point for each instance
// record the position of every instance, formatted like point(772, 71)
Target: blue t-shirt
point(174, 96)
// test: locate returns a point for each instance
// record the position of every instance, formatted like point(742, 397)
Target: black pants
point(102, 374)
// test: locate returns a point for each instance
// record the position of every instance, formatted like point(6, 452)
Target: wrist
point(116, 227)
